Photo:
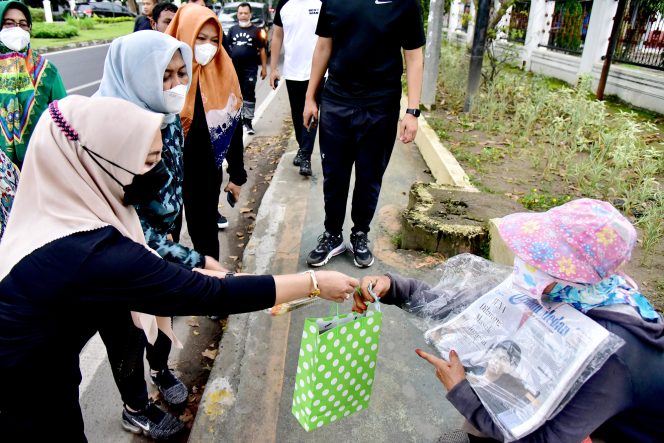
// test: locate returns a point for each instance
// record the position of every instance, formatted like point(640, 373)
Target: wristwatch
point(316, 291)
point(413, 111)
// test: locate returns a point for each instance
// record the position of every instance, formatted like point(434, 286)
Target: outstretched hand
point(335, 286)
point(449, 373)
point(380, 285)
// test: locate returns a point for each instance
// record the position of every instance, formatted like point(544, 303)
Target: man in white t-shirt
point(295, 28)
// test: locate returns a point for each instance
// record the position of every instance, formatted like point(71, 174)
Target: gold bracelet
point(316, 290)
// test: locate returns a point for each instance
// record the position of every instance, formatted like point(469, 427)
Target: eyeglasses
point(9, 23)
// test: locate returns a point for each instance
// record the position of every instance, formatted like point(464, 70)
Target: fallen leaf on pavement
point(209, 353)
point(244, 210)
point(186, 416)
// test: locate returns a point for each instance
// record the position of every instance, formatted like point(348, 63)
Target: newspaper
point(521, 356)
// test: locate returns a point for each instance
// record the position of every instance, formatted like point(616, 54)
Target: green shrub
point(37, 15)
point(53, 30)
point(112, 19)
point(85, 23)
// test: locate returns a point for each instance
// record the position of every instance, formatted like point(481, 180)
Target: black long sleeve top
point(51, 298)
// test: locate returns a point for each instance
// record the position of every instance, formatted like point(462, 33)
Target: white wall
point(641, 87)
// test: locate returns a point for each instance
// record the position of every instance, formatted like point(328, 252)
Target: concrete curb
point(219, 418)
point(444, 167)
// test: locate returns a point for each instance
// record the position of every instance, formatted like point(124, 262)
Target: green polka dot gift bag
point(335, 371)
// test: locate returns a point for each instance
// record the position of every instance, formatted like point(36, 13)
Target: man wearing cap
point(360, 44)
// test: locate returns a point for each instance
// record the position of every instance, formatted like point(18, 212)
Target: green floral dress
point(28, 83)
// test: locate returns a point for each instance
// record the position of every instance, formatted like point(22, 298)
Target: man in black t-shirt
point(247, 45)
point(143, 22)
point(360, 44)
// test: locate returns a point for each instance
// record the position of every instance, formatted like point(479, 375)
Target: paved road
point(81, 70)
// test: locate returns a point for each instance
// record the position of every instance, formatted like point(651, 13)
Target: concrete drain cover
point(450, 220)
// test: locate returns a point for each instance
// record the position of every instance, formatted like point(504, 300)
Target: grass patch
point(536, 200)
point(101, 31)
point(564, 138)
point(396, 240)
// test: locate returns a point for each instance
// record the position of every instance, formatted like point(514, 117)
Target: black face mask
point(144, 187)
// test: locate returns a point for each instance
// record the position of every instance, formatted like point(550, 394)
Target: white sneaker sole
point(350, 248)
point(222, 225)
point(129, 427)
point(333, 253)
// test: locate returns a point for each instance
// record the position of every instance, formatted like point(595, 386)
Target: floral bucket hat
point(582, 241)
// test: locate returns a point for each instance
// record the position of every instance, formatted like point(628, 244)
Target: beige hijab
point(63, 191)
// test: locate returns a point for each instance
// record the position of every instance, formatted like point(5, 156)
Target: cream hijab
point(63, 191)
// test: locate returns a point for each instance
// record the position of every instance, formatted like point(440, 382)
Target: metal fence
point(641, 38)
point(569, 26)
point(516, 31)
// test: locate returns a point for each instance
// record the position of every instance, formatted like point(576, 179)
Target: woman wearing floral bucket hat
point(572, 253)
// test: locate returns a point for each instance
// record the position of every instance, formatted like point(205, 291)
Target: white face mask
point(15, 39)
point(174, 99)
point(204, 53)
point(244, 23)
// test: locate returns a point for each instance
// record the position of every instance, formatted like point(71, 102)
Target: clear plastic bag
point(454, 286)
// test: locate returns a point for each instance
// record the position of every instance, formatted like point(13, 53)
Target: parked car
point(102, 9)
point(260, 16)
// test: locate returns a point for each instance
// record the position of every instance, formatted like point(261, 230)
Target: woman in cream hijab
point(74, 253)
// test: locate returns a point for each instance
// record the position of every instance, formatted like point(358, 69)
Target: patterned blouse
point(158, 217)
point(8, 184)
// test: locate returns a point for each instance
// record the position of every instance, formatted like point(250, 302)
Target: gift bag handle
point(375, 303)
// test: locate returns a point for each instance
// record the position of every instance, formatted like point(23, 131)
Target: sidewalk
point(249, 393)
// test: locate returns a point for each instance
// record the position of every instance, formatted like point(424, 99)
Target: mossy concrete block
point(451, 220)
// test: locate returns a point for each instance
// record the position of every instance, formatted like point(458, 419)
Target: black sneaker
point(152, 422)
point(172, 389)
point(297, 159)
point(361, 252)
point(248, 127)
point(329, 245)
point(222, 222)
point(305, 167)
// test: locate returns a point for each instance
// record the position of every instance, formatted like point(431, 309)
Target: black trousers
point(200, 194)
point(361, 136)
point(297, 91)
point(247, 75)
point(125, 346)
point(39, 399)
